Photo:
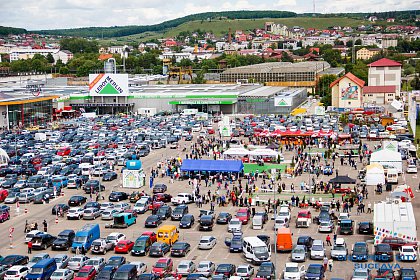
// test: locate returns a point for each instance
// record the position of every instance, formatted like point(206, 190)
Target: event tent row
point(242, 152)
point(297, 133)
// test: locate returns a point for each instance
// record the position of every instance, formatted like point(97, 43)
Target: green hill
point(4, 30)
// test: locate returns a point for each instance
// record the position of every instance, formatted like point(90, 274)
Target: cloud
point(52, 14)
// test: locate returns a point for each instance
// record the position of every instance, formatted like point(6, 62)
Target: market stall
point(375, 174)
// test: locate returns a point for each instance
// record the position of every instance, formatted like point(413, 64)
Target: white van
point(257, 222)
point(255, 250)
point(86, 168)
point(392, 176)
point(99, 160)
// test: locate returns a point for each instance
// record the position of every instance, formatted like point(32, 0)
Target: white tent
point(264, 153)
point(387, 158)
point(235, 152)
point(375, 174)
point(4, 158)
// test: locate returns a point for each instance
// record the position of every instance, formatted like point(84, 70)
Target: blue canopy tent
point(205, 165)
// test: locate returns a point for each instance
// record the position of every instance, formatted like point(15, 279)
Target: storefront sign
point(108, 84)
point(204, 102)
point(281, 101)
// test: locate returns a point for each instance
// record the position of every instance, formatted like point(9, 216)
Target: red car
point(112, 145)
point(243, 215)
point(396, 242)
point(152, 236)
point(155, 205)
point(210, 131)
point(3, 195)
point(88, 272)
point(340, 189)
point(163, 267)
point(164, 197)
point(63, 151)
point(124, 246)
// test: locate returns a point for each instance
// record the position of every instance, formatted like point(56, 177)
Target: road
point(219, 254)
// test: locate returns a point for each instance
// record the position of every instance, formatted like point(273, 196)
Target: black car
point(116, 261)
point(226, 269)
point(187, 221)
point(58, 207)
point(206, 222)
point(164, 212)
point(365, 228)
point(196, 276)
point(93, 186)
point(223, 218)
point(383, 252)
point(42, 241)
point(152, 221)
point(180, 249)
point(179, 212)
point(159, 249)
point(12, 260)
point(110, 176)
point(77, 200)
point(360, 252)
point(106, 273)
point(266, 270)
point(160, 188)
point(148, 276)
point(188, 138)
point(305, 240)
point(64, 240)
point(117, 196)
point(407, 273)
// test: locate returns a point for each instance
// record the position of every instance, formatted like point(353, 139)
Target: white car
point(141, 267)
point(185, 267)
point(235, 225)
point(98, 263)
point(75, 213)
point(343, 216)
point(32, 234)
point(317, 250)
point(293, 271)
point(109, 214)
point(16, 272)
point(116, 237)
point(207, 242)
point(62, 274)
point(122, 206)
point(76, 262)
point(407, 253)
point(411, 168)
point(246, 271)
point(106, 206)
point(206, 268)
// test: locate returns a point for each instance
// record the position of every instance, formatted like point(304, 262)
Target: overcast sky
point(52, 14)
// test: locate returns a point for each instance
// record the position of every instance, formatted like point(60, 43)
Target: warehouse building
point(286, 74)
point(271, 100)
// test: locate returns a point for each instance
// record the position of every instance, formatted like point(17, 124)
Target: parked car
point(207, 242)
point(64, 240)
point(102, 246)
point(42, 241)
point(159, 249)
point(299, 253)
point(267, 270)
point(187, 221)
point(206, 268)
point(180, 249)
point(62, 274)
point(223, 218)
point(124, 246)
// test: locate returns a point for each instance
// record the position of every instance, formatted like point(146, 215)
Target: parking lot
point(220, 253)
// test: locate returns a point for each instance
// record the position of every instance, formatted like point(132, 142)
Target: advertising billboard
point(350, 92)
point(108, 84)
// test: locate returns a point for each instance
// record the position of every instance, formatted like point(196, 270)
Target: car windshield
point(237, 242)
point(292, 269)
point(339, 248)
point(58, 260)
point(75, 260)
point(242, 270)
point(260, 250)
point(317, 248)
point(141, 243)
point(58, 273)
point(36, 270)
point(359, 274)
point(112, 237)
point(298, 250)
point(11, 272)
point(325, 224)
point(223, 268)
point(80, 239)
point(241, 214)
point(203, 265)
point(92, 262)
point(313, 270)
point(265, 268)
point(359, 249)
point(182, 266)
point(36, 259)
point(113, 261)
point(408, 272)
point(178, 246)
point(83, 274)
point(160, 265)
point(235, 222)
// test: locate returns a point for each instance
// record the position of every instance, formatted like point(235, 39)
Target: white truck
point(182, 198)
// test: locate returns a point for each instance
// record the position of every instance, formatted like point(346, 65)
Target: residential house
point(365, 53)
point(385, 72)
point(347, 91)
point(379, 95)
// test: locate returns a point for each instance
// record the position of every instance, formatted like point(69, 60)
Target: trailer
point(394, 218)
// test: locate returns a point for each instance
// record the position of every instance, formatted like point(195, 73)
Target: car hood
point(60, 241)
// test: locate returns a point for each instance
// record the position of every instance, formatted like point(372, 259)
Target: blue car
point(234, 243)
point(328, 170)
point(315, 272)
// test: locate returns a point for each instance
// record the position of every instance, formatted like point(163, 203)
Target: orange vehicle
point(284, 241)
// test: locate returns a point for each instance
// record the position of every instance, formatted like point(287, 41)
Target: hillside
point(221, 27)
point(119, 31)
point(4, 30)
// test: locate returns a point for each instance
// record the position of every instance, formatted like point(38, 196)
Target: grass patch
point(253, 167)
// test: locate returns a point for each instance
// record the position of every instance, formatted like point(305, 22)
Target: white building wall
point(385, 76)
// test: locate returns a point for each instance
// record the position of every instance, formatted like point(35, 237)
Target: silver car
point(61, 260)
point(185, 267)
point(76, 262)
point(62, 274)
point(206, 268)
point(299, 253)
point(235, 225)
point(91, 213)
point(96, 262)
point(326, 226)
point(108, 214)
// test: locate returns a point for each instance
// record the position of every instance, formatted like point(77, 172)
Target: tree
point(199, 79)
point(285, 57)
point(79, 45)
point(64, 70)
point(415, 84)
point(333, 57)
point(323, 84)
point(359, 69)
point(86, 68)
point(358, 42)
point(50, 58)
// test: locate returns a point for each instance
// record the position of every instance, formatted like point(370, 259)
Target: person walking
point(330, 264)
point(369, 208)
point(328, 239)
point(77, 251)
point(325, 263)
point(30, 247)
point(44, 223)
point(83, 250)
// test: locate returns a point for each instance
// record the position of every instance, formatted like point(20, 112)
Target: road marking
point(210, 252)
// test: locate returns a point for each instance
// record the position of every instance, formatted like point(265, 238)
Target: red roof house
point(385, 62)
